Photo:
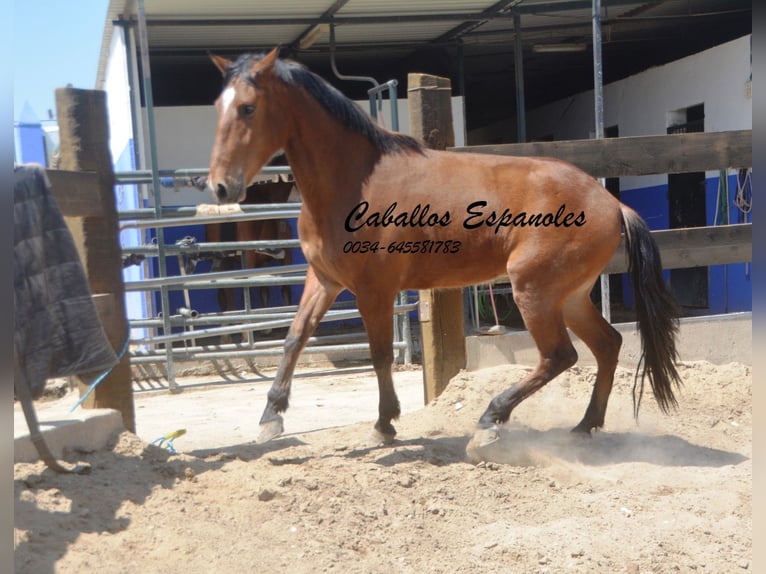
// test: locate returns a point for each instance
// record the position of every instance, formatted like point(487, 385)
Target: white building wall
point(117, 87)
point(121, 147)
point(184, 141)
point(642, 104)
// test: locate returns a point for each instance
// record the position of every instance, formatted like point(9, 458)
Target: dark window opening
point(687, 208)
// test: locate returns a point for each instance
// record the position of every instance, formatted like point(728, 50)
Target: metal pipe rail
point(239, 315)
point(187, 211)
point(211, 355)
point(185, 175)
point(152, 250)
point(261, 281)
point(180, 320)
point(188, 280)
point(240, 328)
point(334, 339)
point(205, 219)
point(256, 326)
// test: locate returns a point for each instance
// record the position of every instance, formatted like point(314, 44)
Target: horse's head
point(250, 127)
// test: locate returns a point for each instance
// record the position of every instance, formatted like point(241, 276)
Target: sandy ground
point(228, 414)
point(671, 494)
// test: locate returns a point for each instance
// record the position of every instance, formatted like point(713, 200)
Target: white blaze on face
point(227, 97)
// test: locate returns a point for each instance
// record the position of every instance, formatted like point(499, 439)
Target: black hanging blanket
point(57, 330)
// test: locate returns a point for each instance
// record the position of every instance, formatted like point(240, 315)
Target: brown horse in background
point(262, 230)
point(381, 214)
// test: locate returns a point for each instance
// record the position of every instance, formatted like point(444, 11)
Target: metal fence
point(175, 334)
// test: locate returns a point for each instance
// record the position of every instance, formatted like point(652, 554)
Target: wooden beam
point(441, 310)
point(84, 135)
point(691, 247)
point(74, 192)
point(641, 155)
point(696, 247)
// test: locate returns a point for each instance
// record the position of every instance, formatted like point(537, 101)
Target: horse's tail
point(656, 312)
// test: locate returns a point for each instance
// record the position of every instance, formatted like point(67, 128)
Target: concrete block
point(84, 429)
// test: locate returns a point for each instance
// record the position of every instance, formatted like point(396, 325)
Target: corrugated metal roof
point(197, 16)
point(390, 36)
point(206, 25)
point(223, 9)
point(186, 37)
point(410, 32)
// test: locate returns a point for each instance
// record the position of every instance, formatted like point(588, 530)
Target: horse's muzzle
point(224, 193)
point(220, 192)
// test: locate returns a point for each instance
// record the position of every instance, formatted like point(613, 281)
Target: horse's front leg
point(377, 313)
point(317, 297)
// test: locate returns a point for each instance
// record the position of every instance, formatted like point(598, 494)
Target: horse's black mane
point(332, 100)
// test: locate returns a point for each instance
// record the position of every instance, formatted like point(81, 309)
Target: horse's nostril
point(220, 191)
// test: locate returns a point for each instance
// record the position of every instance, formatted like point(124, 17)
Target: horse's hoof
point(480, 446)
point(270, 430)
point(581, 430)
point(378, 438)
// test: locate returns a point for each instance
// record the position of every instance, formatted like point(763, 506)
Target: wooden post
point(84, 147)
point(441, 310)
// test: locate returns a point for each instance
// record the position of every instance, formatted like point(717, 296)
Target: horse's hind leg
point(544, 320)
point(317, 298)
point(604, 342)
point(376, 311)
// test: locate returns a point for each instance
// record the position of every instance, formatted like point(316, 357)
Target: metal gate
point(174, 333)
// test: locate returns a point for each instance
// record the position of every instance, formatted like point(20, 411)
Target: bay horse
point(381, 214)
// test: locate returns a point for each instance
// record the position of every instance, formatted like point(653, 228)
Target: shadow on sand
point(527, 447)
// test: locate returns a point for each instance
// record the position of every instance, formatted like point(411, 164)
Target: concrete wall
point(719, 339)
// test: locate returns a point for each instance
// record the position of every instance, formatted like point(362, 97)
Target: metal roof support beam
point(494, 12)
point(329, 13)
point(566, 6)
point(518, 66)
point(143, 44)
point(598, 97)
point(312, 21)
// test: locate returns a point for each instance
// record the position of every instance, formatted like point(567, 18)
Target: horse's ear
point(220, 62)
point(268, 60)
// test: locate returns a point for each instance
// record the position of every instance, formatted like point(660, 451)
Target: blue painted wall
point(31, 140)
point(730, 286)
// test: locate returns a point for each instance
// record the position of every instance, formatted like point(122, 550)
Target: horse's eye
point(246, 110)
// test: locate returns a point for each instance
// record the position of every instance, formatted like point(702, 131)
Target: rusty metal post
point(84, 134)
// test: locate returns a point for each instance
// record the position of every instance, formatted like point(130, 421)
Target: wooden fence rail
point(641, 155)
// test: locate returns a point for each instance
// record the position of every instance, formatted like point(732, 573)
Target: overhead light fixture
point(550, 48)
point(312, 36)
